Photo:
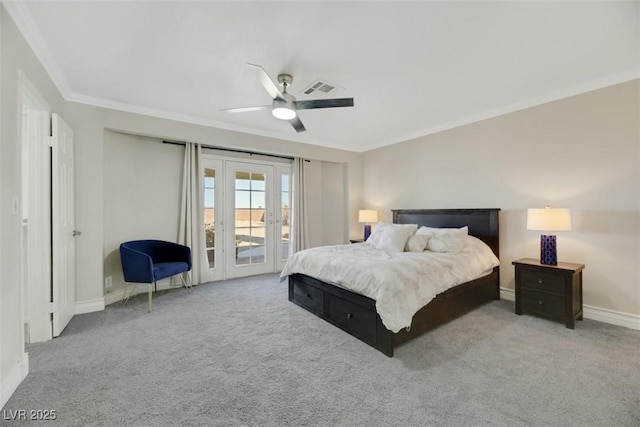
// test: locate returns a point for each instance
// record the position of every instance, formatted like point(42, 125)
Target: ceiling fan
point(285, 106)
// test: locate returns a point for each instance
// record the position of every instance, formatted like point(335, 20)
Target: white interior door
point(249, 247)
point(63, 224)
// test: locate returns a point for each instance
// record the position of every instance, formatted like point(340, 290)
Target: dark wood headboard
point(482, 223)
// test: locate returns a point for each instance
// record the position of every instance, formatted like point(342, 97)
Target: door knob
point(76, 233)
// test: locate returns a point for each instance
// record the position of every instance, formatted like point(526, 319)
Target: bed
point(356, 314)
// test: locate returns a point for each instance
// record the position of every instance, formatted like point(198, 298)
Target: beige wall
point(15, 56)
point(581, 152)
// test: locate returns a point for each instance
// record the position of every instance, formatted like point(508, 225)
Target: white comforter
point(400, 283)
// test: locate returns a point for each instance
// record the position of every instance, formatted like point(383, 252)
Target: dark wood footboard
point(356, 314)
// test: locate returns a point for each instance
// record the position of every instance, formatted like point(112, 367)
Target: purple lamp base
point(548, 252)
point(367, 231)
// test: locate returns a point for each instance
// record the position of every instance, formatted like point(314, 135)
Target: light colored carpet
point(238, 353)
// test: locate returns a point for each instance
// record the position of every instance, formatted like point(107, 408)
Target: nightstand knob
point(540, 302)
point(349, 316)
point(540, 281)
point(309, 296)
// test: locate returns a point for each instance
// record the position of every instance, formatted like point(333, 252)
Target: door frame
point(36, 258)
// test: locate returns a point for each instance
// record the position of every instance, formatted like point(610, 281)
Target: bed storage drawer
point(307, 296)
point(352, 318)
point(353, 313)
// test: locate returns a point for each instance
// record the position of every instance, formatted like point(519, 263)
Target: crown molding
point(19, 13)
point(185, 118)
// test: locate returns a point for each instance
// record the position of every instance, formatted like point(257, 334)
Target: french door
point(246, 217)
point(213, 268)
point(249, 203)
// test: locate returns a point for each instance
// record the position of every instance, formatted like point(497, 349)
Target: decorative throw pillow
point(416, 243)
point(378, 229)
point(395, 236)
point(450, 240)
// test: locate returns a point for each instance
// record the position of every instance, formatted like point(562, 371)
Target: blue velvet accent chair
point(147, 261)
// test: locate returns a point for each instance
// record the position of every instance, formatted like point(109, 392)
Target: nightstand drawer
point(543, 303)
point(544, 281)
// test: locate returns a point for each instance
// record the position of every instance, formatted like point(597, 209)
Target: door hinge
point(49, 141)
point(50, 308)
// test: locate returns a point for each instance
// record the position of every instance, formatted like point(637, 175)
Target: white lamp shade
point(549, 219)
point(367, 216)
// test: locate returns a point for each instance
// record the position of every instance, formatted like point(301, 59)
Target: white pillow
point(416, 243)
point(450, 240)
point(374, 237)
point(395, 236)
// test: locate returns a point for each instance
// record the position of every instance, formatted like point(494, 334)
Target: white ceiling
point(414, 68)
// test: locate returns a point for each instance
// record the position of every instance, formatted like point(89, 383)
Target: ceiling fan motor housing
point(284, 109)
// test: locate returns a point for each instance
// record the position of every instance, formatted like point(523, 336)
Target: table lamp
point(367, 216)
point(548, 219)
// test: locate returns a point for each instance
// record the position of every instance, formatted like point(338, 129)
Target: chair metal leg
point(150, 293)
point(130, 288)
point(187, 283)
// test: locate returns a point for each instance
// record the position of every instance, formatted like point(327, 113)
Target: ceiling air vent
point(320, 89)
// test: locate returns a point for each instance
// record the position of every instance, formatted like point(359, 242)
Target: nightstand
point(552, 291)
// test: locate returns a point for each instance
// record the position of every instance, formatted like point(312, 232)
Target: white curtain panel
point(299, 230)
point(191, 231)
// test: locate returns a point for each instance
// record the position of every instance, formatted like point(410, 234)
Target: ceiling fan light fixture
point(283, 113)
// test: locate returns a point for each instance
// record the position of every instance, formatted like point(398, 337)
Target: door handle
point(76, 233)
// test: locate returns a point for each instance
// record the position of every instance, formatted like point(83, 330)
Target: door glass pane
point(209, 214)
point(285, 198)
point(250, 217)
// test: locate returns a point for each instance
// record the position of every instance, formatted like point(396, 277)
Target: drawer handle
point(540, 302)
point(349, 316)
point(540, 281)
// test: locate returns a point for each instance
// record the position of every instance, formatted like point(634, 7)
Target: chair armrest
point(137, 266)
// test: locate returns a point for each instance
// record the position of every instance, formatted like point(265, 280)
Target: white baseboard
point(604, 315)
point(15, 377)
point(114, 296)
point(89, 306)
point(508, 294)
point(627, 320)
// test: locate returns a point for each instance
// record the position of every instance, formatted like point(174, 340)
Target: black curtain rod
point(251, 153)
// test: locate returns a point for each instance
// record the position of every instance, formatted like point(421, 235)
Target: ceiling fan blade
point(246, 109)
point(266, 81)
point(297, 124)
point(323, 103)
